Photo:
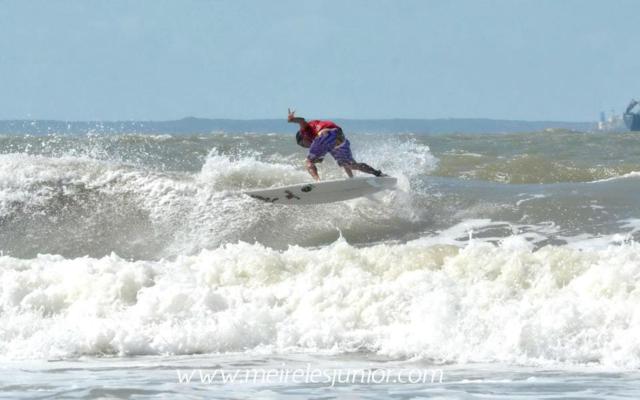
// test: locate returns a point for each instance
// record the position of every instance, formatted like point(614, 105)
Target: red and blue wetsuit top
point(311, 129)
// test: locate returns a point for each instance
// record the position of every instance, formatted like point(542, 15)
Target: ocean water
point(509, 263)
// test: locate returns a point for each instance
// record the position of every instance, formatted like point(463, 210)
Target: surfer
point(322, 137)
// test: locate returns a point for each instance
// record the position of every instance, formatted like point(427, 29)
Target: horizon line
point(284, 119)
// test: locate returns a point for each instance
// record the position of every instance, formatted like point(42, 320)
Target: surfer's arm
point(311, 167)
point(296, 120)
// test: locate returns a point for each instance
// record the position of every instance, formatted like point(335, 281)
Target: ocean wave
point(481, 302)
point(77, 205)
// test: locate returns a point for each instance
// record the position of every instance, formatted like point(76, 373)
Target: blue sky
point(153, 59)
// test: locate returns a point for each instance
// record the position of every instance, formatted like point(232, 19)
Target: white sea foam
point(246, 169)
point(480, 302)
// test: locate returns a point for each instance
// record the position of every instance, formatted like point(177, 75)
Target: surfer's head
point(301, 140)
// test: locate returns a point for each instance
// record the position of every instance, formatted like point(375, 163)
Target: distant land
point(191, 125)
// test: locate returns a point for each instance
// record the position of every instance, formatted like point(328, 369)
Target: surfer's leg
point(347, 169)
point(344, 158)
point(366, 168)
point(342, 154)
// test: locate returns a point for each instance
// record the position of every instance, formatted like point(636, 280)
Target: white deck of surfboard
point(324, 191)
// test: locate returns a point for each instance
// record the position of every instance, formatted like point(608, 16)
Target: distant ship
point(631, 118)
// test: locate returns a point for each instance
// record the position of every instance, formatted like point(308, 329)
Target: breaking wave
point(446, 303)
point(76, 205)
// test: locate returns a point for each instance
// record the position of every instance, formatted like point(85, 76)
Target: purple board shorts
point(326, 143)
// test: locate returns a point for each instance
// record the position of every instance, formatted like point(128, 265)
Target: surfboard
point(324, 191)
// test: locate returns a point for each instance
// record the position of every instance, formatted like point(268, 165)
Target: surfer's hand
point(298, 120)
